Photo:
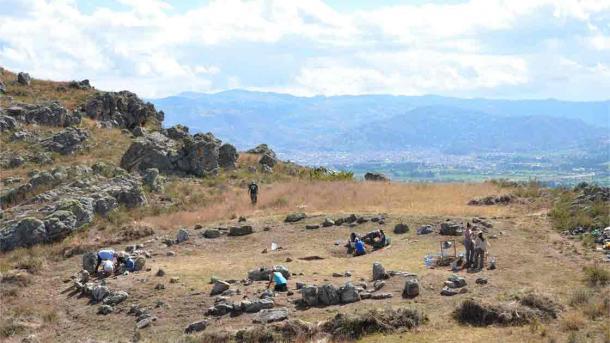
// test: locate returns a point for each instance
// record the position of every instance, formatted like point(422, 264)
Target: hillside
point(83, 169)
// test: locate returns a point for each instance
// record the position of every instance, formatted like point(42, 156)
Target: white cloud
point(475, 48)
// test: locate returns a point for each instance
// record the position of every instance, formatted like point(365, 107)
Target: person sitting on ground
point(351, 242)
point(359, 247)
point(104, 255)
point(107, 268)
point(370, 237)
point(480, 249)
point(279, 280)
point(381, 240)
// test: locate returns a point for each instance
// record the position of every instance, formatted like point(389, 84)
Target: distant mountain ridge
point(386, 122)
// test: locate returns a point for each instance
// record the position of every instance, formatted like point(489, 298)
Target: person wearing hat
point(480, 249)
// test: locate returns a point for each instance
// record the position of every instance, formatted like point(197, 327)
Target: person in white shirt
point(105, 255)
point(107, 267)
point(480, 249)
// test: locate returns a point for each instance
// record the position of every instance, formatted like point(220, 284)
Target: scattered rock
point(328, 222)
point(219, 287)
point(481, 281)
point(105, 309)
point(295, 217)
point(160, 272)
point(271, 315)
point(379, 296)
point(211, 233)
point(83, 84)
point(115, 298)
point(401, 228)
point(66, 141)
point(182, 235)
point(348, 294)
point(379, 272)
point(377, 285)
point(196, 326)
point(312, 227)
point(425, 229)
point(240, 230)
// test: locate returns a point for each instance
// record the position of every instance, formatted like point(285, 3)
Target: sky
point(511, 49)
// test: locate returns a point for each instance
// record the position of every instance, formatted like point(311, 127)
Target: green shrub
point(581, 296)
point(597, 275)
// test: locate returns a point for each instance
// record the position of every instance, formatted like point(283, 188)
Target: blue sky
point(481, 48)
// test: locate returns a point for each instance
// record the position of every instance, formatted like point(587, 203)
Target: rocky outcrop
point(7, 123)
point(2, 87)
point(49, 114)
point(195, 155)
point(267, 161)
point(83, 84)
point(375, 177)
point(24, 79)
point(66, 141)
point(176, 132)
point(449, 228)
point(262, 149)
point(64, 200)
point(491, 200)
point(123, 109)
point(227, 156)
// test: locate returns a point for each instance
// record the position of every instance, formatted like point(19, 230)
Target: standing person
point(104, 255)
point(469, 245)
point(279, 280)
point(480, 249)
point(253, 191)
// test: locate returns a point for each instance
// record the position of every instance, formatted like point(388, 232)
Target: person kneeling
point(359, 248)
point(279, 280)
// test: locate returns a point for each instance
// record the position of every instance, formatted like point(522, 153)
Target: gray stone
point(105, 309)
point(379, 296)
point(401, 228)
point(104, 205)
point(379, 272)
point(295, 217)
point(451, 229)
point(115, 298)
point(66, 141)
point(257, 305)
point(7, 123)
point(211, 233)
point(262, 149)
point(151, 179)
point(89, 261)
point(411, 288)
point(377, 285)
point(425, 229)
point(328, 222)
point(227, 156)
point(122, 110)
point(196, 326)
point(100, 292)
point(328, 295)
point(481, 281)
point(375, 177)
point(145, 322)
point(348, 294)
point(446, 291)
point(310, 295)
point(177, 132)
point(240, 230)
point(312, 226)
point(24, 233)
point(182, 235)
point(47, 113)
point(219, 287)
point(267, 160)
point(271, 315)
point(24, 79)
point(83, 84)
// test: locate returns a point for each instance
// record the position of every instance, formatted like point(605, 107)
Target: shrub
point(581, 296)
point(597, 275)
point(573, 322)
point(548, 307)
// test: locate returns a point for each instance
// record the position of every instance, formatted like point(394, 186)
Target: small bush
point(581, 296)
point(9, 327)
point(573, 322)
point(353, 326)
point(597, 275)
point(33, 264)
point(548, 307)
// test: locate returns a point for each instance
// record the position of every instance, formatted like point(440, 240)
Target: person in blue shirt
point(359, 248)
point(279, 280)
point(104, 255)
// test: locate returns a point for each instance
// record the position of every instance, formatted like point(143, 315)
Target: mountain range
point(391, 123)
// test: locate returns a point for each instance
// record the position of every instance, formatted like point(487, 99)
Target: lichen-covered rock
point(49, 114)
point(267, 160)
point(379, 272)
point(66, 141)
point(104, 205)
point(262, 149)
point(227, 156)
point(177, 132)
point(24, 79)
point(328, 295)
point(89, 262)
point(151, 179)
point(122, 109)
point(23, 233)
point(7, 123)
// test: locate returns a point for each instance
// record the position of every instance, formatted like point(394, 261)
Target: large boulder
point(375, 177)
point(310, 295)
point(59, 225)
point(89, 262)
point(177, 132)
point(262, 149)
point(122, 109)
point(348, 293)
point(23, 233)
point(379, 272)
point(48, 113)
point(199, 155)
point(24, 79)
point(66, 141)
point(227, 156)
point(151, 179)
point(151, 151)
point(328, 295)
point(267, 161)
point(411, 288)
point(271, 315)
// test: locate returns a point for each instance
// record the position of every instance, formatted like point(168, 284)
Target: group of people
point(111, 261)
point(476, 247)
point(356, 245)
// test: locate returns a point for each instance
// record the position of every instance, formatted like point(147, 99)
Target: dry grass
point(41, 91)
point(341, 196)
point(573, 321)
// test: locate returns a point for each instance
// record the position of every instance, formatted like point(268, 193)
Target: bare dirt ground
point(530, 257)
